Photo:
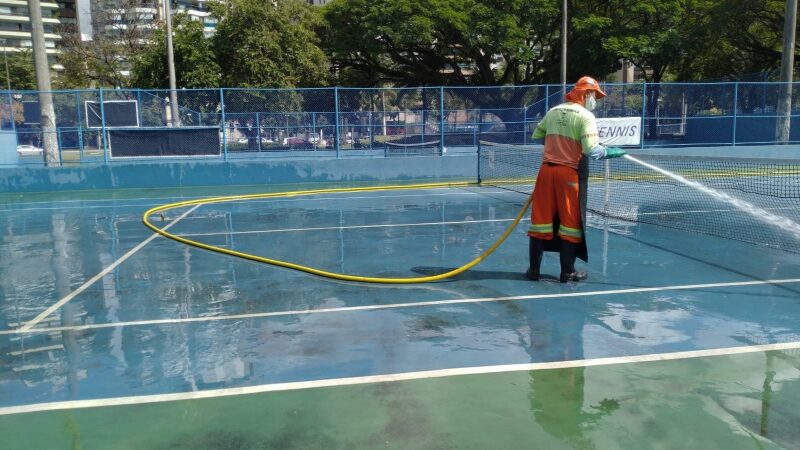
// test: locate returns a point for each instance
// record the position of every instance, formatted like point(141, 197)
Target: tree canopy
point(287, 43)
point(269, 43)
point(119, 35)
point(195, 61)
point(443, 42)
point(20, 71)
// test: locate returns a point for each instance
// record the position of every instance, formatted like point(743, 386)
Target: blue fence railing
point(106, 125)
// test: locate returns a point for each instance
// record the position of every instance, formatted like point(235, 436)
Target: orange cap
point(588, 84)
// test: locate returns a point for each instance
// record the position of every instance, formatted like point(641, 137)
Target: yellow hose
point(311, 270)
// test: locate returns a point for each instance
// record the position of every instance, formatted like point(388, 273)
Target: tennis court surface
point(114, 337)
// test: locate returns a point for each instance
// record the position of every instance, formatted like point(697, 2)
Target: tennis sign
point(620, 130)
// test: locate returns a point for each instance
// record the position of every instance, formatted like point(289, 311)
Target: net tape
point(626, 191)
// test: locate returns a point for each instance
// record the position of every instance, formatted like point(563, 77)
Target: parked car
point(244, 140)
point(29, 150)
point(294, 141)
point(317, 141)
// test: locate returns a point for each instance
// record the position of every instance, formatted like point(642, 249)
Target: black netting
point(625, 190)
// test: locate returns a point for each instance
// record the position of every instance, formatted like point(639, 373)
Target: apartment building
point(198, 11)
point(15, 26)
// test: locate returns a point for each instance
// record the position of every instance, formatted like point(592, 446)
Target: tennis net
point(626, 191)
point(426, 148)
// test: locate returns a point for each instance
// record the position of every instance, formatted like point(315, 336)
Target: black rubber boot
point(535, 252)
point(568, 255)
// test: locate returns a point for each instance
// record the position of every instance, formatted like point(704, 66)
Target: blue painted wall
point(458, 164)
point(118, 175)
point(8, 149)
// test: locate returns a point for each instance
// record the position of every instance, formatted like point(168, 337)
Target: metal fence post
point(60, 151)
point(258, 131)
point(735, 107)
point(336, 109)
point(441, 119)
point(224, 125)
point(80, 122)
point(546, 98)
point(139, 106)
point(644, 107)
point(524, 125)
point(103, 140)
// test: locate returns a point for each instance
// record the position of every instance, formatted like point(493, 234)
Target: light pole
point(173, 93)
point(784, 124)
point(52, 157)
point(5, 59)
point(564, 44)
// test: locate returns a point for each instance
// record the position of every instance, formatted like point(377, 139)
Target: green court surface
point(112, 337)
point(725, 402)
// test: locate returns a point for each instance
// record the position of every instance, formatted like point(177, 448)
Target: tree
point(269, 43)
point(20, 69)
point(195, 62)
point(120, 29)
point(745, 38)
point(443, 42)
point(656, 36)
point(469, 43)
point(659, 37)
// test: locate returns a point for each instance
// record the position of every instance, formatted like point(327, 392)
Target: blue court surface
point(114, 337)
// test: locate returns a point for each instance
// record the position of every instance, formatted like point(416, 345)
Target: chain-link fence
point(110, 125)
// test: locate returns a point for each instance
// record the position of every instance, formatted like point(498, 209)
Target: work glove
point(614, 152)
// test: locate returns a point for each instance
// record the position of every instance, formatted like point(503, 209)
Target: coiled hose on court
point(315, 271)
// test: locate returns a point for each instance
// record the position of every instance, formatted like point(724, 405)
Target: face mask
point(591, 103)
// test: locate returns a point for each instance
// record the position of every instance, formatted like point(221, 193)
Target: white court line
point(394, 377)
point(100, 275)
point(704, 211)
point(351, 227)
point(268, 200)
point(135, 199)
point(455, 222)
point(398, 305)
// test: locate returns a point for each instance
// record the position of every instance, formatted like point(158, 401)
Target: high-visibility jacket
point(570, 132)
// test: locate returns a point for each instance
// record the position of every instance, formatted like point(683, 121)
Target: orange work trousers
point(557, 194)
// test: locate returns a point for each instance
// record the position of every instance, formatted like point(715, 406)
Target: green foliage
point(442, 42)
point(657, 36)
point(118, 35)
point(744, 37)
point(20, 69)
point(269, 43)
point(195, 62)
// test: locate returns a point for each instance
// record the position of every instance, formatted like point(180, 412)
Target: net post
point(336, 128)
point(103, 139)
point(441, 119)
point(605, 215)
point(224, 127)
point(644, 107)
point(735, 107)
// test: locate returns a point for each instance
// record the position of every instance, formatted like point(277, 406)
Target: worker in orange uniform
point(559, 197)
